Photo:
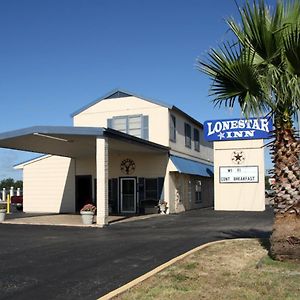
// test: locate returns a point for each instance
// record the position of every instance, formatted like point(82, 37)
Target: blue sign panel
point(238, 129)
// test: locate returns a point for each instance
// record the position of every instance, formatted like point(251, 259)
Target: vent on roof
point(118, 94)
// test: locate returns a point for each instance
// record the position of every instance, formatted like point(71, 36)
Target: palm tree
point(260, 70)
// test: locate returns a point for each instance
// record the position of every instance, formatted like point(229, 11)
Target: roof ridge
point(158, 102)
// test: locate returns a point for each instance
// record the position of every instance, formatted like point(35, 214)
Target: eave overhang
point(72, 141)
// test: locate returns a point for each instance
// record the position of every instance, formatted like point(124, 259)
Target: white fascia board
point(23, 164)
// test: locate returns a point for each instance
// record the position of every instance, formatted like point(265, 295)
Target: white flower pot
point(162, 208)
point(87, 217)
point(2, 215)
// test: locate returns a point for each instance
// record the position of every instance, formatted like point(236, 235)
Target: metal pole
point(8, 204)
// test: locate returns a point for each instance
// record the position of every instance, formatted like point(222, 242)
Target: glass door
point(128, 195)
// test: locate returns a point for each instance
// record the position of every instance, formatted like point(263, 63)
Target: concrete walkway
point(64, 219)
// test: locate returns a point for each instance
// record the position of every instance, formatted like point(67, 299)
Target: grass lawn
point(229, 270)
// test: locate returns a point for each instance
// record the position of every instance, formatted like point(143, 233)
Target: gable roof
point(120, 93)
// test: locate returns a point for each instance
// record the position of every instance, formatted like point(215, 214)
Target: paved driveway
point(44, 262)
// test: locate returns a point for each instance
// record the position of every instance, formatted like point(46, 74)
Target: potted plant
point(163, 207)
point(2, 211)
point(87, 214)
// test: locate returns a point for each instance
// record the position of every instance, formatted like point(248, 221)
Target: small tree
point(10, 182)
point(260, 71)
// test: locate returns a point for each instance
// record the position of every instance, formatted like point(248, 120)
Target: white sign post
point(239, 182)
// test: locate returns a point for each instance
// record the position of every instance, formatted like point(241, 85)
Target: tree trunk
point(285, 239)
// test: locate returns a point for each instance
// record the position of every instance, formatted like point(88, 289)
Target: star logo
point(221, 135)
point(238, 157)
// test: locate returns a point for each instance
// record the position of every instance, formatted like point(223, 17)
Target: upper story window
point(188, 135)
point(136, 125)
point(172, 128)
point(196, 140)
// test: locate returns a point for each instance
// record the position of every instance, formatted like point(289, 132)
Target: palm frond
point(234, 78)
point(291, 42)
point(258, 30)
point(260, 70)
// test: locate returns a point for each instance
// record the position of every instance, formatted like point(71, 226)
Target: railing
point(11, 196)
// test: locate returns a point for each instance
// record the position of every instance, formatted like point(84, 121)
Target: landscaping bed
point(233, 269)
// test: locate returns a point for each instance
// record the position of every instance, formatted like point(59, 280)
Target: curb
point(51, 224)
point(145, 276)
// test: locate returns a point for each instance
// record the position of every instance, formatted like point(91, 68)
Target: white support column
point(11, 191)
point(102, 181)
point(4, 194)
point(169, 188)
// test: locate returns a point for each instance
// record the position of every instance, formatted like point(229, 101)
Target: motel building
point(124, 153)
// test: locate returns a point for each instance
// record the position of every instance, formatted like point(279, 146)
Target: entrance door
point(83, 191)
point(128, 195)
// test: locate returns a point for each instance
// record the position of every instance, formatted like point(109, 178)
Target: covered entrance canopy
point(79, 142)
point(72, 141)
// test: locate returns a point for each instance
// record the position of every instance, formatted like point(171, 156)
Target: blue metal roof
point(192, 167)
point(77, 140)
point(97, 131)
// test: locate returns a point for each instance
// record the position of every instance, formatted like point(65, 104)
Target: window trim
point(150, 190)
point(172, 129)
point(127, 117)
point(188, 139)
point(196, 142)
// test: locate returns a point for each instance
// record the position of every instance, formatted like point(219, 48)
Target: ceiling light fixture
point(51, 137)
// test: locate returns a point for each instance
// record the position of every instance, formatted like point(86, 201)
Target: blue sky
point(58, 55)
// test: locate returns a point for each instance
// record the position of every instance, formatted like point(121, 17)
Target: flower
point(89, 207)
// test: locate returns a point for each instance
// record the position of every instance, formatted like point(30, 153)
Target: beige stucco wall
point(49, 185)
point(239, 196)
point(179, 148)
point(159, 120)
point(97, 115)
point(55, 176)
point(85, 166)
point(147, 165)
point(182, 192)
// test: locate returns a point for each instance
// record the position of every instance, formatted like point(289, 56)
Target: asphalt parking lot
point(51, 262)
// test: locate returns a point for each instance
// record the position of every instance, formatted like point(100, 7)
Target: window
point(151, 189)
point(198, 190)
point(136, 125)
point(120, 124)
point(187, 133)
point(173, 128)
point(196, 140)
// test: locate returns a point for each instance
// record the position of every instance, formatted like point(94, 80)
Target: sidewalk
point(64, 219)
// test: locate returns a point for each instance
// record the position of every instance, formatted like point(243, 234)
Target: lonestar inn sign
point(238, 129)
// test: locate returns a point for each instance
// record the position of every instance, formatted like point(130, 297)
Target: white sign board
point(238, 174)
